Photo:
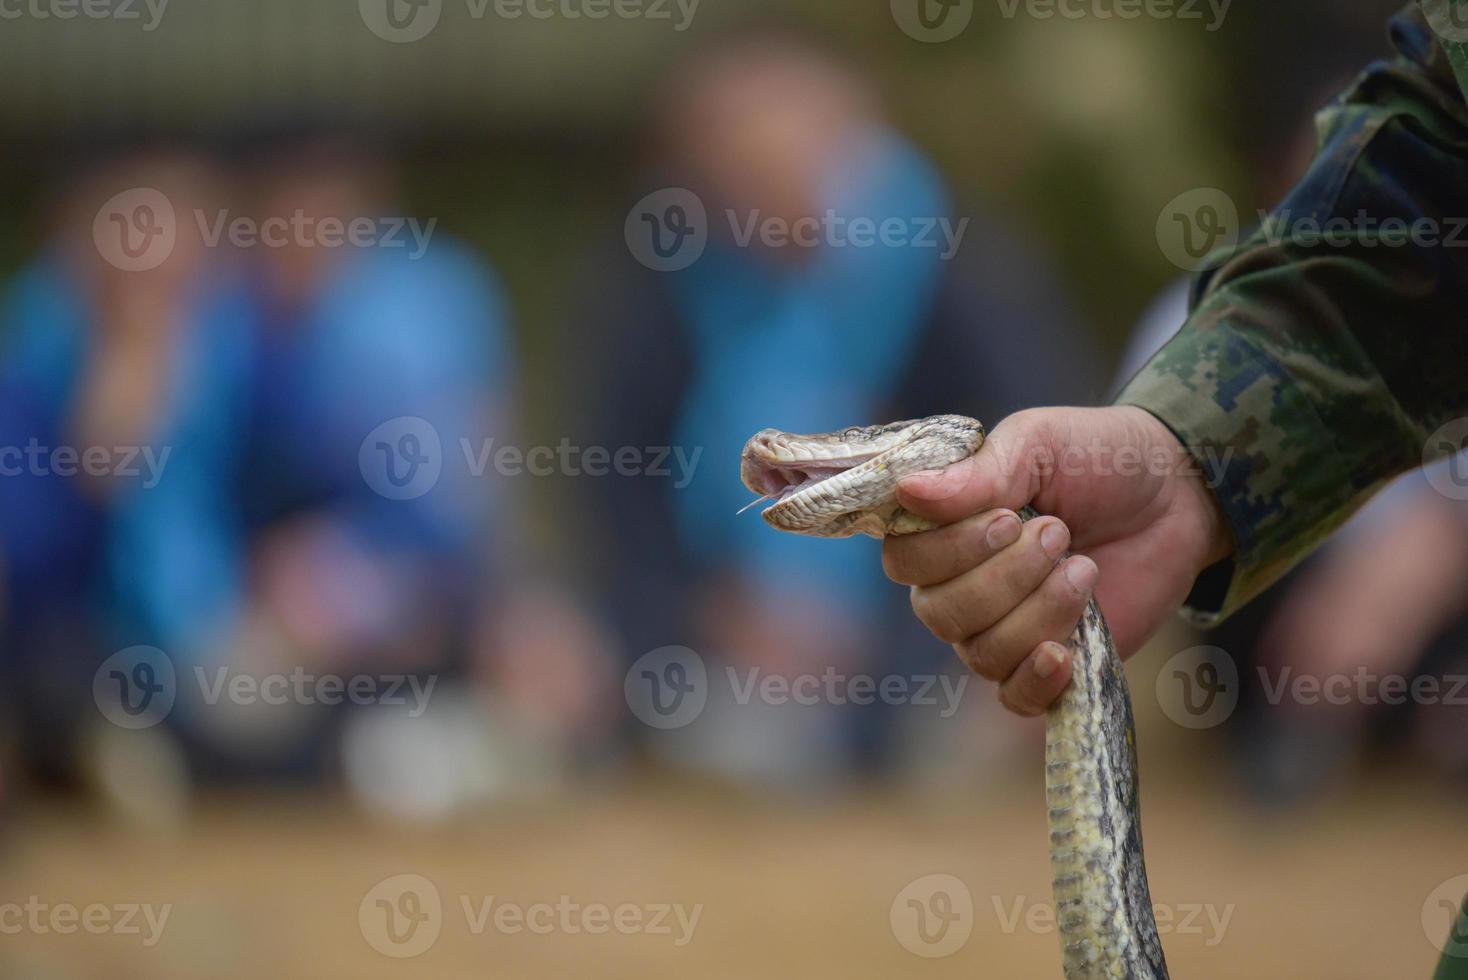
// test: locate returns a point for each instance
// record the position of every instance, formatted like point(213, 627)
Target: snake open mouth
point(838, 484)
point(780, 482)
point(809, 474)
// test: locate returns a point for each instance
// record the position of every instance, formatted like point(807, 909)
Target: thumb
point(985, 481)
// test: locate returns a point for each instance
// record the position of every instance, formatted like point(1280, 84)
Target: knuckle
point(1062, 604)
point(1027, 572)
point(936, 612)
point(982, 656)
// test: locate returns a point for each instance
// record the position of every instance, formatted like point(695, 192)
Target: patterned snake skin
point(843, 483)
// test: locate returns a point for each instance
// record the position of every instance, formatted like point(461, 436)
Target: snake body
point(838, 484)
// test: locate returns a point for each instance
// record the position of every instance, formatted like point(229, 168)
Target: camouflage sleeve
point(1325, 350)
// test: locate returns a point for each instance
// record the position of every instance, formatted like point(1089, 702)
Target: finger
point(991, 478)
point(974, 601)
point(937, 556)
point(1039, 681)
point(1049, 615)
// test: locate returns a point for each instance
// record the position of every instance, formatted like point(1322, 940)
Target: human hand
point(1120, 492)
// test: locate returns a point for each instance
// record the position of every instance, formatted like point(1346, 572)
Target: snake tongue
point(752, 504)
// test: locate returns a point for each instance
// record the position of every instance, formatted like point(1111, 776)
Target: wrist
point(1218, 537)
point(1193, 500)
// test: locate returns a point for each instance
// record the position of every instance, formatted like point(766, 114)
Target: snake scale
point(840, 484)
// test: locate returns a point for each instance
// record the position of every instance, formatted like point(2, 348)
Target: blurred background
point(372, 380)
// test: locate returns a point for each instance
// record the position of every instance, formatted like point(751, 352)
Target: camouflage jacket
point(1315, 367)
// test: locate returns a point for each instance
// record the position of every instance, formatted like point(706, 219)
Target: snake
point(844, 483)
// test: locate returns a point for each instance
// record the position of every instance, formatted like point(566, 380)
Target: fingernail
point(1081, 573)
point(1049, 659)
point(1003, 532)
point(1055, 539)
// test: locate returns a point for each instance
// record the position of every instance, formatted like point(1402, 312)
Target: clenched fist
point(1130, 520)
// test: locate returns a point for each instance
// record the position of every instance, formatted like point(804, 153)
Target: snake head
point(837, 484)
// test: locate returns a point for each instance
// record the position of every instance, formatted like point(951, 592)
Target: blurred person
point(1372, 617)
point(768, 130)
point(120, 406)
point(383, 539)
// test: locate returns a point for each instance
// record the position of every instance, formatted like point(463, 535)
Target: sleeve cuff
point(1262, 449)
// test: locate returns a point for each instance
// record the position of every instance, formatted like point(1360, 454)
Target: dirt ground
point(289, 888)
